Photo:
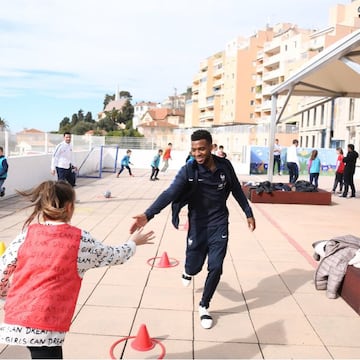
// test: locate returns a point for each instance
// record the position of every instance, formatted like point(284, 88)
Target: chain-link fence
point(235, 139)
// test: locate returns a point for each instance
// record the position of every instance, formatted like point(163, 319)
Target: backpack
point(183, 199)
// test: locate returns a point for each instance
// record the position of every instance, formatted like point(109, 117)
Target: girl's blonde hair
point(50, 200)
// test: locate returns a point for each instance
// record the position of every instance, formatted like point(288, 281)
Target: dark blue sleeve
point(173, 192)
point(238, 193)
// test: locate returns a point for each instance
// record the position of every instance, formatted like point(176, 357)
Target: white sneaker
point(205, 318)
point(186, 279)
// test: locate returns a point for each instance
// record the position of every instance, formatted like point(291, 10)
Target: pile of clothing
point(334, 256)
point(268, 187)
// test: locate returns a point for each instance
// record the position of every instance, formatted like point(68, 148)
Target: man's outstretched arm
point(178, 186)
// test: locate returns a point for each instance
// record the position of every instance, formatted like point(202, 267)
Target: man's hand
point(140, 222)
point(251, 223)
point(52, 172)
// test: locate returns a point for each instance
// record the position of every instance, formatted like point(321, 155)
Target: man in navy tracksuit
point(208, 214)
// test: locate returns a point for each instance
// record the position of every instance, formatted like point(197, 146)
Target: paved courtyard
point(266, 306)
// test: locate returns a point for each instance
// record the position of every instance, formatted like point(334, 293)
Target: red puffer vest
point(46, 284)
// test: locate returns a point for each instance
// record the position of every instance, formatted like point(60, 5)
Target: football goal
point(99, 159)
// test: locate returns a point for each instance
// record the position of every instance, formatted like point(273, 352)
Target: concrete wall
point(26, 172)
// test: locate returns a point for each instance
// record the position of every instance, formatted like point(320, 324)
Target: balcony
point(218, 82)
point(266, 105)
point(259, 68)
point(273, 46)
point(272, 60)
point(271, 75)
point(206, 116)
point(266, 90)
point(218, 69)
point(259, 54)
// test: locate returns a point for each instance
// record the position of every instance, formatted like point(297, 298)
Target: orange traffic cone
point(142, 341)
point(164, 261)
point(2, 247)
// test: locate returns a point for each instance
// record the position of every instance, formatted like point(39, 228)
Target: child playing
point(4, 167)
point(125, 162)
point(155, 166)
point(339, 171)
point(314, 166)
point(42, 269)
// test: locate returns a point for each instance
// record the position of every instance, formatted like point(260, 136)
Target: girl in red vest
point(42, 269)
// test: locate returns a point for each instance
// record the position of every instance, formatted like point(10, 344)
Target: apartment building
point(334, 123)
point(234, 86)
point(222, 89)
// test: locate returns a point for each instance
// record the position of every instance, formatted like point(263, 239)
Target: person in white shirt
point(63, 162)
point(277, 156)
point(292, 162)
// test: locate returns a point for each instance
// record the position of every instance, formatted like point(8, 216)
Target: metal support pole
point(272, 137)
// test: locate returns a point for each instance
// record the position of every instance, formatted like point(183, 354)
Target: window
point(314, 117)
point(306, 141)
point(307, 119)
point(351, 109)
point(313, 141)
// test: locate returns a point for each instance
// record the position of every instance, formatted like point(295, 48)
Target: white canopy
point(335, 72)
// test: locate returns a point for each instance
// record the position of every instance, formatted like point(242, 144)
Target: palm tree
point(3, 124)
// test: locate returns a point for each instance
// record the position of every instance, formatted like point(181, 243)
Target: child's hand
point(141, 239)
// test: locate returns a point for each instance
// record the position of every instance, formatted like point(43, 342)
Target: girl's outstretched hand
point(140, 239)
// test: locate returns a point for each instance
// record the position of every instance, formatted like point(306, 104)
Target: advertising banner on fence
point(260, 157)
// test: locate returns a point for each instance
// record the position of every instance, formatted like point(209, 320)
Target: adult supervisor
point(207, 213)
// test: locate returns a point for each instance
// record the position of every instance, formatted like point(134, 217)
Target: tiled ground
point(265, 307)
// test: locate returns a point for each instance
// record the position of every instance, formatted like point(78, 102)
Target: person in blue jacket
point(155, 165)
point(208, 214)
point(4, 167)
point(125, 162)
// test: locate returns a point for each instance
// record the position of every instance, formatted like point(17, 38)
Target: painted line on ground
point(290, 239)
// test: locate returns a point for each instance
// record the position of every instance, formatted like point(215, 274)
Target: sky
point(61, 56)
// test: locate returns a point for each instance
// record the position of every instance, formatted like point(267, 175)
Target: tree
point(81, 128)
point(107, 124)
point(64, 123)
point(125, 94)
point(74, 120)
point(107, 99)
point(80, 115)
point(3, 124)
point(188, 93)
point(127, 113)
point(88, 117)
